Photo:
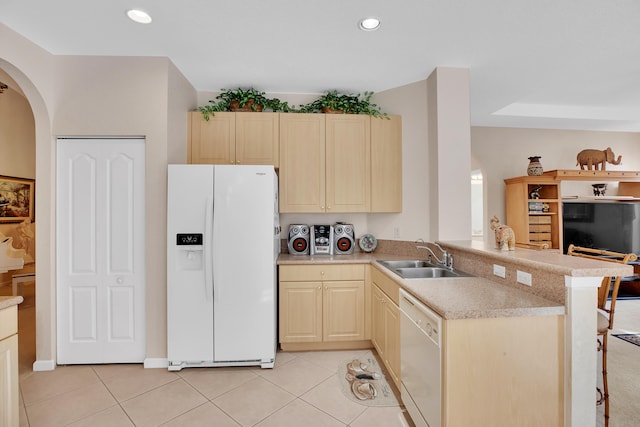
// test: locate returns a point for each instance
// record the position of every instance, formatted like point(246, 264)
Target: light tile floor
point(301, 390)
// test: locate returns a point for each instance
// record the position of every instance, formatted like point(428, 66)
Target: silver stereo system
point(298, 242)
point(321, 240)
point(343, 238)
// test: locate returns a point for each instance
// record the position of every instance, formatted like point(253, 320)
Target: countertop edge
point(6, 302)
point(551, 261)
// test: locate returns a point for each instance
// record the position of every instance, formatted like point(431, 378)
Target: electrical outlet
point(499, 270)
point(523, 277)
point(396, 232)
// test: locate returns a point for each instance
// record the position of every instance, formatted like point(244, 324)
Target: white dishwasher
point(421, 362)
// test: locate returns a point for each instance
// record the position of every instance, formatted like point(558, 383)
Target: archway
point(44, 202)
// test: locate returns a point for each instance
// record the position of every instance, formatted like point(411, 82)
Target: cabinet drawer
point(540, 228)
point(292, 273)
point(386, 285)
point(539, 237)
point(8, 322)
point(539, 219)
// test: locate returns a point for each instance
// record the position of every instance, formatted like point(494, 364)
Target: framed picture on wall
point(17, 197)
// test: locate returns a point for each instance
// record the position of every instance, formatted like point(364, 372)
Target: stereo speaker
point(343, 239)
point(298, 242)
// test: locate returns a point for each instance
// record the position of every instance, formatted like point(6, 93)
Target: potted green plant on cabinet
point(242, 100)
point(336, 102)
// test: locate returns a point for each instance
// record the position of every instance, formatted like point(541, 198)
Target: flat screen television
point(613, 226)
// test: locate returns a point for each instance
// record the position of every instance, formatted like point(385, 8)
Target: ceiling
point(561, 64)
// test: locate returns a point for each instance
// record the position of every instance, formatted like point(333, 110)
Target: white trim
point(156, 363)
point(582, 282)
point(44, 365)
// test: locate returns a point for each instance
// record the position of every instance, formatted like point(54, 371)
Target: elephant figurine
point(592, 158)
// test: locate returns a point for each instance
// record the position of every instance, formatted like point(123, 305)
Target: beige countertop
point(6, 302)
point(452, 298)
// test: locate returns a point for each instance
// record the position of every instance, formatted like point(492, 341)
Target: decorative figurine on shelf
point(535, 167)
point(597, 159)
point(599, 189)
point(505, 237)
point(535, 194)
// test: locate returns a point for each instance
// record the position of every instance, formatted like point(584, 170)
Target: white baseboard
point(44, 365)
point(156, 363)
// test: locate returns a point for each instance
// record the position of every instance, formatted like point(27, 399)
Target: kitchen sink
point(420, 269)
point(425, 272)
point(409, 263)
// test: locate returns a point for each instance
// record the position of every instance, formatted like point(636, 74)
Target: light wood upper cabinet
point(348, 154)
point(234, 138)
point(326, 163)
point(213, 141)
point(302, 160)
point(257, 139)
point(386, 164)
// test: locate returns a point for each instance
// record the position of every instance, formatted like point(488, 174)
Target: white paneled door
point(100, 250)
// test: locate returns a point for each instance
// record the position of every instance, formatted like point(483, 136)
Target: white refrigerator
point(223, 239)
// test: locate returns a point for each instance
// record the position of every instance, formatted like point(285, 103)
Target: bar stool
point(605, 314)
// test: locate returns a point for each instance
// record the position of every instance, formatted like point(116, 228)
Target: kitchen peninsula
point(562, 288)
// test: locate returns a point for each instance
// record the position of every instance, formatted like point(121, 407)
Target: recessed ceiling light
point(369, 24)
point(139, 16)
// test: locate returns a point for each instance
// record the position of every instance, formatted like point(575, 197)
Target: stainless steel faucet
point(447, 258)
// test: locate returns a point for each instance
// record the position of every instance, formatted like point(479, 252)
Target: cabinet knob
point(231, 162)
point(319, 287)
point(238, 162)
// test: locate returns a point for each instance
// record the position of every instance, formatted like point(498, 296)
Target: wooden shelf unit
point(535, 220)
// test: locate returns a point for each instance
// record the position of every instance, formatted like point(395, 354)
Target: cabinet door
point(378, 328)
point(257, 139)
point(386, 164)
point(348, 154)
point(302, 163)
point(213, 141)
point(392, 340)
point(9, 382)
point(300, 312)
point(343, 311)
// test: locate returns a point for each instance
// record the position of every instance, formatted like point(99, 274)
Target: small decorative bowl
point(368, 243)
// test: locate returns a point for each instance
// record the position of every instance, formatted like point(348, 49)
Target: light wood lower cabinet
point(385, 318)
point(503, 372)
point(322, 307)
point(9, 367)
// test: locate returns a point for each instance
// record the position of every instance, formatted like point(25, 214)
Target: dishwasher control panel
point(424, 318)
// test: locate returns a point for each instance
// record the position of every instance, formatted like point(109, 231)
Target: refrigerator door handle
point(208, 249)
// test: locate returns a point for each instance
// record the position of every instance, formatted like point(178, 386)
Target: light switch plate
point(499, 270)
point(523, 277)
